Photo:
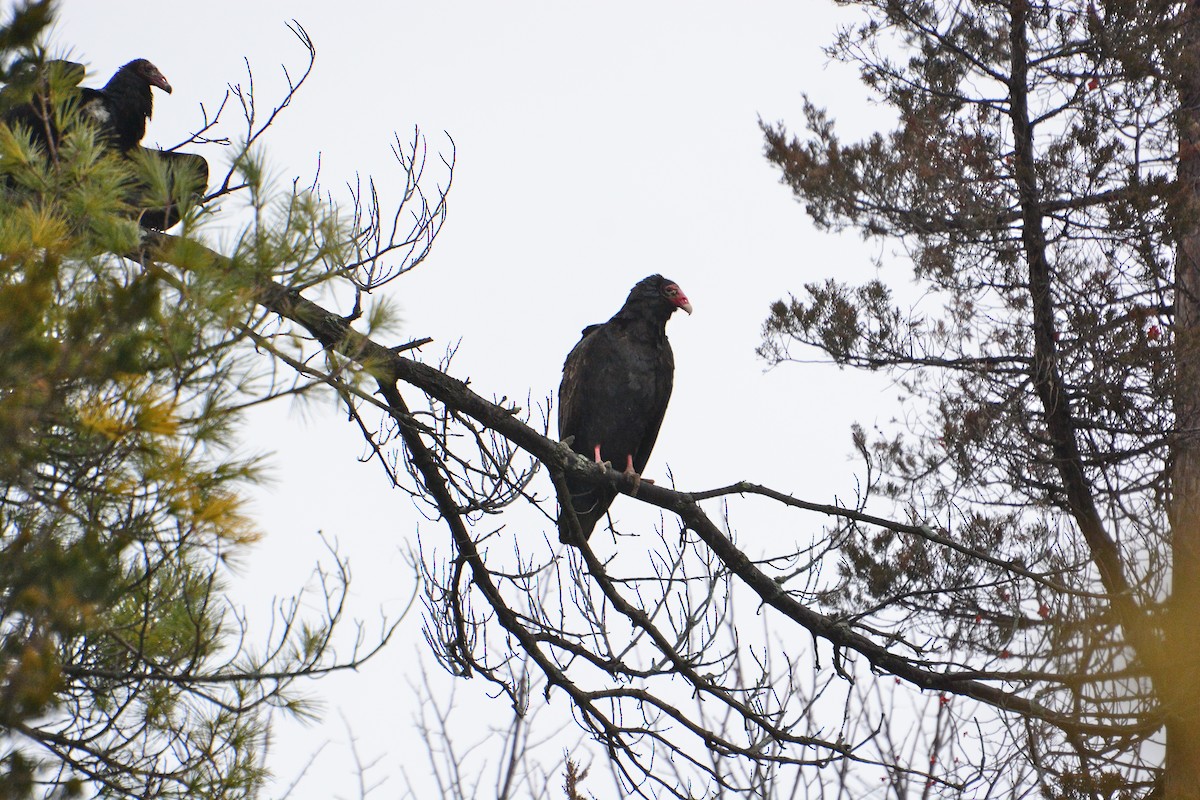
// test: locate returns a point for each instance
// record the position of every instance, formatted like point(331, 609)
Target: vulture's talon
point(633, 475)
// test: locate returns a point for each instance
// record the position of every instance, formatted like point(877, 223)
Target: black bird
point(615, 386)
point(119, 111)
point(122, 107)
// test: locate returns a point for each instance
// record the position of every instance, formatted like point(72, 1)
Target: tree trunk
point(1180, 689)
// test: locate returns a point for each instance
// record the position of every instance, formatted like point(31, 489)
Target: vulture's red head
point(674, 295)
point(147, 72)
point(655, 297)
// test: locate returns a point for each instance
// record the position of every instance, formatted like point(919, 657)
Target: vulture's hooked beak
point(156, 78)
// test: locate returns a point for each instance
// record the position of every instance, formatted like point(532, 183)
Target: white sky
point(597, 143)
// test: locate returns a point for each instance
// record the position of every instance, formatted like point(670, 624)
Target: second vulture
point(615, 386)
point(119, 110)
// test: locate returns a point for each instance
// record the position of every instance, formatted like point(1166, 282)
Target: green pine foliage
point(122, 670)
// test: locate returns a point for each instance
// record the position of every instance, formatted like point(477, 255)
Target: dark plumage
point(122, 107)
point(186, 179)
point(28, 100)
point(615, 386)
point(119, 112)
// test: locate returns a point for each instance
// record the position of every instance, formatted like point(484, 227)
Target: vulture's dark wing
point(571, 389)
point(31, 99)
point(170, 183)
point(93, 105)
point(576, 412)
point(664, 382)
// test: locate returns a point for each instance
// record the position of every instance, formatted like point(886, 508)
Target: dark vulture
point(122, 107)
point(119, 112)
point(615, 386)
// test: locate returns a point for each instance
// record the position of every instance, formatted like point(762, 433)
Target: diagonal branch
point(387, 366)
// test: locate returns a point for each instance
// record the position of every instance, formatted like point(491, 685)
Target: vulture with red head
point(615, 386)
point(119, 111)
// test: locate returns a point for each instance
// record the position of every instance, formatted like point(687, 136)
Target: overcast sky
point(597, 143)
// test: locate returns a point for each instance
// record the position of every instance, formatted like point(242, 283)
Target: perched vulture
point(615, 386)
point(119, 111)
point(122, 107)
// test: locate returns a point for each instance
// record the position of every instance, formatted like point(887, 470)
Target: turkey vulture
point(122, 107)
point(119, 111)
point(615, 386)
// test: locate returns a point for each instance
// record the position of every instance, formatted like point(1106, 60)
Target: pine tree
point(124, 671)
point(1034, 579)
point(1040, 176)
